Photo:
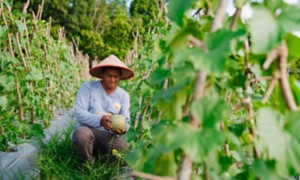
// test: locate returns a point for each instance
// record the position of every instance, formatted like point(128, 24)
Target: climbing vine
point(38, 74)
point(219, 101)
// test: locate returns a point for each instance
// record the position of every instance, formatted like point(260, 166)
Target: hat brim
point(97, 71)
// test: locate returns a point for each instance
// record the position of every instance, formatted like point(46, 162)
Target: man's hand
point(118, 131)
point(105, 122)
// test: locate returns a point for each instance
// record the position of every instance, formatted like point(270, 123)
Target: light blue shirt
point(92, 103)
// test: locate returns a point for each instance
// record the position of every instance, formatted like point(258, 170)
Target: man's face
point(111, 78)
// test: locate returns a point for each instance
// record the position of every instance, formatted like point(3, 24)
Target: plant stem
point(236, 15)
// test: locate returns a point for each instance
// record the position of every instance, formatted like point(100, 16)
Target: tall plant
point(38, 74)
point(228, 107)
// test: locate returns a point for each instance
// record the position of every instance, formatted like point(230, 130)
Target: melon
point(118, 122)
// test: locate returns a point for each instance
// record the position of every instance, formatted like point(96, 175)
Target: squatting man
point(96, 102)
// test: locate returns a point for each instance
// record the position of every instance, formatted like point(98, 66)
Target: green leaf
point(210, 110)
point(289, 19)
point(212, 60)
point(3, 31)
point(293, 46)
point(3, 102)
point(177, 37)
point(295, 90)
point(21, 26)
point(184, 73)
point(165, 95)
point(174, 137)
point(265, 170)
point(171, 101)
point(135, 157)
point(237, 129)
point(7, 82)
point(145, 89)
point(203, 143)
point(265, 32)
point(8, 3)
point(37, 130)
point(177, 9)
point(293, 124)
point(165, 164)
point(273, 4)
point(159, 75)
point(267, 29)
point(279, 137)
point(35, 74)
point(197, 144)
point(269, 123)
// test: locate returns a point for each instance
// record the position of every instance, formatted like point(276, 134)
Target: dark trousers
point(88, 141)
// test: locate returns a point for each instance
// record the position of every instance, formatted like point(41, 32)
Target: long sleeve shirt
point(92, 103)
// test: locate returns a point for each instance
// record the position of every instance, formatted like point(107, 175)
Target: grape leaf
point(213, 59)
point(293, 46)
point(279, 139)
point(210, 110)
point(177, 9)
point(159, 75)
point(267, 29)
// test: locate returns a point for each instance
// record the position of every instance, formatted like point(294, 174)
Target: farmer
point(96, 101)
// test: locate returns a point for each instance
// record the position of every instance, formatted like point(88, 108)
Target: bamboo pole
point(284, 83)
point(187, 163)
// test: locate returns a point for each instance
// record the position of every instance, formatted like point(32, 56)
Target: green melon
point(118, 122)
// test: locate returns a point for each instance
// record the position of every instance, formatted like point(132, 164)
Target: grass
point(58, 161)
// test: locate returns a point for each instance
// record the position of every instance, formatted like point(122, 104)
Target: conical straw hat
point(111, 61)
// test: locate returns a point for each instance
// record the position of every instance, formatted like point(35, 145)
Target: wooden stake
point(20, 50)
point(187, 163)
point(21, 113)
point(151, 176)
point(284, 83)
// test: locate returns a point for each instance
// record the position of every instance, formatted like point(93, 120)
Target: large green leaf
point(136, 157)
point(212, 60)
point(267, 28)
point(293, 124)
point(210, 110)
point(265, 170)
point(279, 139)
point(184, 73)
point(177, 37)
point(293, 47)
point(196, 143)
point(165, 164)
point(273, 4)
point(177, 9)
point(203, 143)
point(159, 75)
point(171, 101)
point(289, 19)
